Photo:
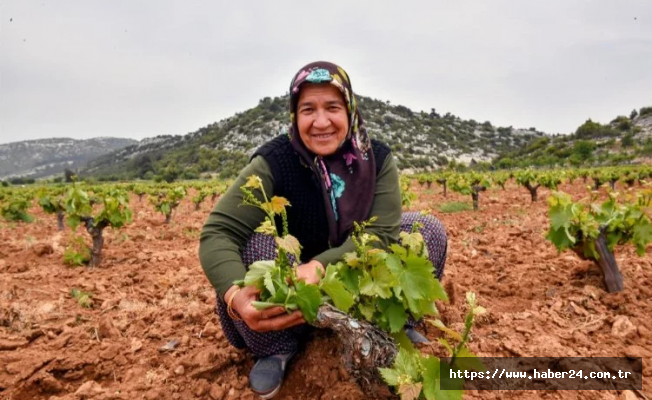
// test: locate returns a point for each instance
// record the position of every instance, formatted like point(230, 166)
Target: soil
point(151, 290)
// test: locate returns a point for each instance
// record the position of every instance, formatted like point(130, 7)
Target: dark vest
point(296, 182)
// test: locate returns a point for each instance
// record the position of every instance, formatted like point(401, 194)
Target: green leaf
point(379, 282)
point(308, 298)
point(410, 391)
point(390, 376)
point(352, 259)
point(417, 281)
point(367, 310)
point(399, 250)
point(403, 341)
point(335, 289)
point(430, 377)
point(266, 228)
point(440, 325)
point(350, 277)
point(642, 236)
point(395, 314)
point(269, 284)
point(407, 363)
point(560, 216)
point(256, 274)
point(413, 241)
point(436, 371)
point(560, 238)
point(290, 244)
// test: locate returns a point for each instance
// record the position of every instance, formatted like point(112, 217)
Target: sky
point(135, 69)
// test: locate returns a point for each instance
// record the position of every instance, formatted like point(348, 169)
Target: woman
point(332, 174)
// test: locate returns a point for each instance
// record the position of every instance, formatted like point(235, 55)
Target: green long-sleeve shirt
point(231, 224)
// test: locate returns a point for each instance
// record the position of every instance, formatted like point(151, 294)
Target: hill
point(45, 157)
point(626, 139)
point(419, 140)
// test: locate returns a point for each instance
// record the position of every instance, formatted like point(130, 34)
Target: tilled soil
point(151, 290)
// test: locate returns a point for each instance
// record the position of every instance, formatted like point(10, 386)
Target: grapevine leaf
point(410, 391)
point(403, 341)
point(417, 280)
point(266, 228)
point(430, 377)
point(440, 325)
point(350, 277)
point(290, 244)
point(395, 314)
point(389, 375)
point(413, 241)
point(257, 271)
point(352, 259)
point(367, 310)
point(642, 236)
point(330, 284)
point(378, 282)
point(254, 182)
point(407, 363)
point(278, 204)
point(560, 238)
point(308, 298)
point(560, 216)
point(269, 284)
point(434, 370)
point(398, 250)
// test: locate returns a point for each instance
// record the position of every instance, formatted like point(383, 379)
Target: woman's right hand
point(270, 319)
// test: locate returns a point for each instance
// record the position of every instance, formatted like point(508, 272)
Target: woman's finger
point(271, 312)
point(280, 322)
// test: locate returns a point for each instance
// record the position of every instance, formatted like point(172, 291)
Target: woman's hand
point(271, 319)
point(310, 272)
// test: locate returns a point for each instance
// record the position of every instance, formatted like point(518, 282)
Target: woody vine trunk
point(98, 240)
point(442, 182)
point(475, 195)
point(60, 216)
point(533, 191)
point(613, 279)
point(365, 348)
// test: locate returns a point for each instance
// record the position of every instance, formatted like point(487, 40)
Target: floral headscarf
point(347, 177)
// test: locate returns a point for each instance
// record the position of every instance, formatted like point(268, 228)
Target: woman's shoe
point(267, 374)
point(414, 336)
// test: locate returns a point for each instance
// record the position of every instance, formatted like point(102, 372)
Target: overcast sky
point(126, 68)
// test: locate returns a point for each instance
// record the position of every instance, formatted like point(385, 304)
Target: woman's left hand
point(310, 272)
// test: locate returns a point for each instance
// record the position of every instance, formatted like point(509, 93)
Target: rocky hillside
point(626, 139)
point(419, 139)
point(45, 157)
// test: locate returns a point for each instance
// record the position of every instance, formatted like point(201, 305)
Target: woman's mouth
point(324, 136)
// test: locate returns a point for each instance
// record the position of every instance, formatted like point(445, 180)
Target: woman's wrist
point(231, 305)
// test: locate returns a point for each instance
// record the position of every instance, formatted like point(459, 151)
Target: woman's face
point(321, 118)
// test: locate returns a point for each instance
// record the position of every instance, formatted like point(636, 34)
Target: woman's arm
point(228, 228)
point(386, 206)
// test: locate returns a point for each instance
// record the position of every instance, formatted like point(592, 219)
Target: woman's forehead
point(320, 91)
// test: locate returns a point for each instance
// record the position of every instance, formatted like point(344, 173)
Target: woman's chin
point(323, 149)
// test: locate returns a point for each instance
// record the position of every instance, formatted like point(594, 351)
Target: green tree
point(583, 149)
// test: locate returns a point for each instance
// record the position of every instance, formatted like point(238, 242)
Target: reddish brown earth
point(150, 290)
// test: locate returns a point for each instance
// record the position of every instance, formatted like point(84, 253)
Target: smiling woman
point(322, 118)
point(333, 175)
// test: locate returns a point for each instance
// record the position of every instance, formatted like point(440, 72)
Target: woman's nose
point(321, 119)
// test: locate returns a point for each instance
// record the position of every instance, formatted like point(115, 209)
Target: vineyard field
point(142, 324)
